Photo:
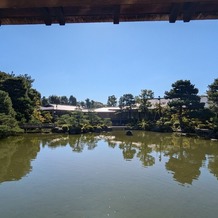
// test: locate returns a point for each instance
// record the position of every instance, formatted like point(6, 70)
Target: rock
point(129, 133)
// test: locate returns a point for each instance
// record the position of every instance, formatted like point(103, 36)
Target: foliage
point(64, 119)
point(184, 99)
point(72, 100)
point(161, 126)
point(8, 125)
point(127, 100)
point(23, 97)
point(144, 125)
point(89, 104)
point(19, 102)
point(97, 104)
point(184, 95)
point(79, 120)
point(143, 101)
point(64, 100)
point(112, 101)
point(212, 93)
point(47, 117)
point(44, 101)
point(54, 99)
point(65, 128)
point(6, 104)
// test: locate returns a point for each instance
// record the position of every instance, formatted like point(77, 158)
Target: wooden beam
point(189, 9)
point(174, 12)
point(47, 17)
point(117, 14)
point(82, 11)
point(60, 15)
point(71, 3)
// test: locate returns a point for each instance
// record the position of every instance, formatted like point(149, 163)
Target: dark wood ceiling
point(83, 11)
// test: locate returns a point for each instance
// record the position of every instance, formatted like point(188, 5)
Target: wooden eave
point(84, 11)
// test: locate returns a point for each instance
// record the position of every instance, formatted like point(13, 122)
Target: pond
point(148, 174)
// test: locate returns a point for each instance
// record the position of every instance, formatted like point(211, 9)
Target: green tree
point(184, 98)
point(44, 101)
point(6, 104)
point(64, 100)
point(97, 104)
point(8, 123)
point(72, 100)
point(35, 97)
point(81, 103)
point(212, 93)
point(112, 101)
point(17, 88)
point(54, 99)
point(126, 102)
point(25, 99)
point(88, 103)
point(92, 104)
point(144, 103)
point(28, 79)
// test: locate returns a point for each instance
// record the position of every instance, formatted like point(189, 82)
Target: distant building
point(111, 112)
point(60, 109)
point(164, 102)
point(204, 99)
point(156, 101)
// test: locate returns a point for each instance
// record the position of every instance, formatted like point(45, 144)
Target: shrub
point(65, 128)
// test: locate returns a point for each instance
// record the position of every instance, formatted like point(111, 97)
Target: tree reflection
point(183, 156)
point(128, 151)
point(145, 157)
point(16, 155)
point(134, 146)
point(79, 142)
point(213, 159)
point(76, 144)
point(185, 159)
point(57, 141)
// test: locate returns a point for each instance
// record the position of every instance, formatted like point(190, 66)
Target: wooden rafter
point(174, 12)
point(189, 10)
point(60, 15)
point(117, 14)
point(46, 16)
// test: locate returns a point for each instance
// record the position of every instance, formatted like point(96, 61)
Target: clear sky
point(98, 60)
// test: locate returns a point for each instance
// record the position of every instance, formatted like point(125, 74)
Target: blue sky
point(98, 60)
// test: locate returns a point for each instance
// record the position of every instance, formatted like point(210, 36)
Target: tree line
point(20, 103)
point(64, 100)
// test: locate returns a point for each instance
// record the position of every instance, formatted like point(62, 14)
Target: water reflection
point(80, 142)
point(76, 142)
point(182, 157)
point(16, 154)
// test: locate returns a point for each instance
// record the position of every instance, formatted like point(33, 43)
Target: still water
point(108, 175)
